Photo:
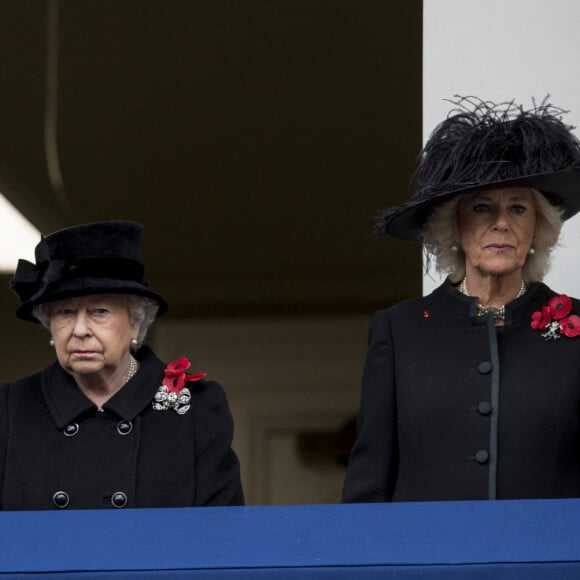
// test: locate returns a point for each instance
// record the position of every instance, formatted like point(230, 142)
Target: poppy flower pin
point(173, 394)
point(555, 319)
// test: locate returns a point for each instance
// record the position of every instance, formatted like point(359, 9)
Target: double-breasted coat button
point(60, 499)
point(71, 429)
point(482, 456)
point(484, 367)
point(119, 499)
point(124, 427)
point(484, 408)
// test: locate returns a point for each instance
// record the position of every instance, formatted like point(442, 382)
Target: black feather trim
point(481, 142)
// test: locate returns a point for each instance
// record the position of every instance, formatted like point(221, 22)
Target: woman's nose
point(81, 326)
point(501, 221)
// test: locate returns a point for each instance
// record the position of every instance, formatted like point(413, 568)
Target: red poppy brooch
point(555, 319)
point(173, 394)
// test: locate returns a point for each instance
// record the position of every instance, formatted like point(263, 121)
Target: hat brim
point(406, 221)
point(89, 287)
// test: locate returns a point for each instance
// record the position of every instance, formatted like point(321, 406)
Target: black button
point(71, 429)
point(119, 499)
point(482, 456)
point(484, 368)
point(60, 499)
point(484, 408)
point(124, 427)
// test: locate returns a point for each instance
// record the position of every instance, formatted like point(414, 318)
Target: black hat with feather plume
point(482, 145)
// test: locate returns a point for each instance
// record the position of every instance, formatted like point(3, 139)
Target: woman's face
point(92, 334)
point(496, 229)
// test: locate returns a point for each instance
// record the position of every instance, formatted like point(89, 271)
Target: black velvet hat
point(483, 145)
point(95, 258)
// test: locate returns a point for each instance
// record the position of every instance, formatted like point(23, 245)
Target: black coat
point(53, 440)
point(455, 408)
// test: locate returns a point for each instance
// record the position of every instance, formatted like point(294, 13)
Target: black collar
point(67, 402)
point(518, 311)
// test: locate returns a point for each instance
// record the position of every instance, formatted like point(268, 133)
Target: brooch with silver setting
point(173, 394)
point(179, 402)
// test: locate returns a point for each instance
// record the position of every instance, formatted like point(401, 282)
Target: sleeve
point(217, 477)
point(372, 467)
point(4, 390)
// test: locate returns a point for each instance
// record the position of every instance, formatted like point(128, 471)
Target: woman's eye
point(519, 209)
point(100, 311)
point(481, 208)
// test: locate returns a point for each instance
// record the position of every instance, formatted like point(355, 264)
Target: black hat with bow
point(483, 145)
point(95, 258)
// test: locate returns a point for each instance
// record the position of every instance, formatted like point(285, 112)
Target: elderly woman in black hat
point(108, 425)
point(473, 392)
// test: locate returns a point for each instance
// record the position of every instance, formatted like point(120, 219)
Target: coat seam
point(494, 427)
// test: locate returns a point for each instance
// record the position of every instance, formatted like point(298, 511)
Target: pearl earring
point(532, 250)
point(51, 341)
point(455, 248)
point(134, 343)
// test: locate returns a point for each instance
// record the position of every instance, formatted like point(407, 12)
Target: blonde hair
point(441, 234)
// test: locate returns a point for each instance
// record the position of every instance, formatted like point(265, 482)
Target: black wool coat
point(456, 408)
point(58, 451)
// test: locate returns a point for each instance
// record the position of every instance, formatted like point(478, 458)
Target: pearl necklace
point(498, 313)
point(133, 368)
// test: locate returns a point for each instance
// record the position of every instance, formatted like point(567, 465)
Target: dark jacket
point(53, 440)
point(456, 408)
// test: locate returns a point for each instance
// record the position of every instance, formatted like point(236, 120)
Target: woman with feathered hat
point(108, 425)
point(473, 392)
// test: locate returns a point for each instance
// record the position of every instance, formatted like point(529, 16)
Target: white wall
point(499, 50)
point(18, 237)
